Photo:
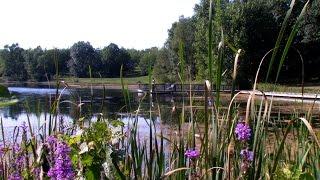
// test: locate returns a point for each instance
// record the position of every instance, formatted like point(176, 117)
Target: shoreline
point(73, 85)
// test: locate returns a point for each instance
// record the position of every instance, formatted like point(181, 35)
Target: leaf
point(117, 123)
point(87, 160)
point(89, 174)
point(74, 140)
point(74, 159)
point(306, 176)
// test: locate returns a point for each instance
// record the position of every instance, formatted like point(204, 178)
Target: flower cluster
point(18, 163)
point(243, 131)
point(192, 154)
point(62, 168)
point(15, 176)
point(246, 155)
point(247, 158)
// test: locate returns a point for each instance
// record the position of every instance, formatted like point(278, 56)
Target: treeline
point(250, 25)
point(80, 60)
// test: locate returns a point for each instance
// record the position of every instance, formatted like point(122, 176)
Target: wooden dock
point(286, 95)
point(179, 88)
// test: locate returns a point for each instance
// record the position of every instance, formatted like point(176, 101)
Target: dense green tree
point(34, 69)
point(14, 68)
point(165, 68)
point(83, 56)
point(181, 35)
point(42, 65)
point(63, 56)
point(147, 56)
point(112, 58)
point(310, 42)
point(135, 56)
point(200, 44)
point(1, 63)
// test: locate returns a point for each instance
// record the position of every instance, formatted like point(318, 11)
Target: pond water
point(34, 103)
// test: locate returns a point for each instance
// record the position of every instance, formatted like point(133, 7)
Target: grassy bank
point(115, 81)
point(282, 88)
point(109, 83)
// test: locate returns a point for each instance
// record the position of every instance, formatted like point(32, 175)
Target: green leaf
point(306, 176)
point(89, 175)
point(74, 140)
point(74, 159)
point(87, 160)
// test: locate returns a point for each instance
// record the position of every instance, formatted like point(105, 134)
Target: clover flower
point(62, 168)
point(243, 131)
point(247, 158)
point(246, 155)
point(192, 154)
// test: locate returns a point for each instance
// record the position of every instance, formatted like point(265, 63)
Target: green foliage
point(166, 67)
point(4, 92)
point(92, 148)
point(147, 56)
point(251, 26)
point(113, 58)
point(41, 64)
point(82, 56)
point(99, 133)
point(14, 63)
point(35, 68)
point(182, 32)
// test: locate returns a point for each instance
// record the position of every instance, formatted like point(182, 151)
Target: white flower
point(83, 148)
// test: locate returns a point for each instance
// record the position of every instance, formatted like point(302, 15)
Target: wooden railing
point(178, 88)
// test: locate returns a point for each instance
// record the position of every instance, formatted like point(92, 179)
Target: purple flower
point(15, 176)
point(51, 140)
point(62, 168)
point(247, 158)
point(246, 155)
point(192, 154)
point(20, 161)
point(16, 148)
point(36, 171)
point(243, 131)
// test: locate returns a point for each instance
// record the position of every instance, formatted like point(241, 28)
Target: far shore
point(73, 84)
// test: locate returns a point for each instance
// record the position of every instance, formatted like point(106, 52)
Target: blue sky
point(59, 23)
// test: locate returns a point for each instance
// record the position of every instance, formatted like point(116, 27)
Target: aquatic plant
point(62, 168)
point(243, 132)
point(192, 154)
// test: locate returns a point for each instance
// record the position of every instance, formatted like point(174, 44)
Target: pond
point(34, 103)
